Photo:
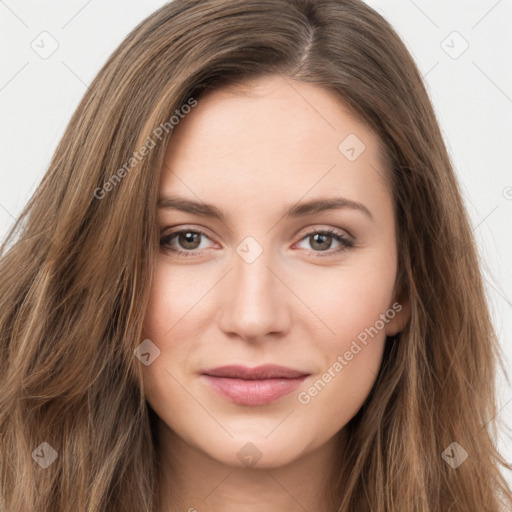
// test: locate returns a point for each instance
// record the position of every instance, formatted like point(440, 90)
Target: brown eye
point(321, 241)
point(189, 239)
point(185, 242)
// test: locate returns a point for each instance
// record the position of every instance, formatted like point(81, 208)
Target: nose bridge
point(254, 305)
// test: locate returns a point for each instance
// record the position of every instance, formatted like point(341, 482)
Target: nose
point(255, 300)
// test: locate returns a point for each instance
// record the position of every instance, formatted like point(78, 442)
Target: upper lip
point(266, 371)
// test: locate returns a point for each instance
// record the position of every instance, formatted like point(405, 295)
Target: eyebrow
point(291, 211)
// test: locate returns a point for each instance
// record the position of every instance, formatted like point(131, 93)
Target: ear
point(401, 305)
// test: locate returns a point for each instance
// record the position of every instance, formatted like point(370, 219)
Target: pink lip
point(253, 386)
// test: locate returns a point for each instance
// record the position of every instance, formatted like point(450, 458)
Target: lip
point(261, 385)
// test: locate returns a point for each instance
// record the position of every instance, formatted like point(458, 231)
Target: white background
point(472, 95)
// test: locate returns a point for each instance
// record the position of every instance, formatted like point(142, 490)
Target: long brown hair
point(76, 269)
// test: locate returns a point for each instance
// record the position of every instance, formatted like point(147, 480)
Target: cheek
point(164, 306)
point(354, 307)
point(177, 297)
point(178, 312)
point(351, 302)
point(331, 400)
point(163, 312)
point(351, 358)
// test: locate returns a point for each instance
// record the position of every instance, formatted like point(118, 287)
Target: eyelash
point(345, 242)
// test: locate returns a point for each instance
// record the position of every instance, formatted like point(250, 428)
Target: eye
point(321, 241)
point(188, 239)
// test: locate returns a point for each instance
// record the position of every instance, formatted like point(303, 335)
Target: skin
point(250, 152)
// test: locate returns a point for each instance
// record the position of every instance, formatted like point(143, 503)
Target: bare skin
point(283, 296)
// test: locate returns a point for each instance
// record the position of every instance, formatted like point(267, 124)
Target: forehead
point(285, 137)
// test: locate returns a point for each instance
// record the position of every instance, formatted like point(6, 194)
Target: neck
point(192, 481)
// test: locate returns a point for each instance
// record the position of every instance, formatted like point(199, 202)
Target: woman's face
point(243, 280)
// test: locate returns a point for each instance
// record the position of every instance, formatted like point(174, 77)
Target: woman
point(248, 281)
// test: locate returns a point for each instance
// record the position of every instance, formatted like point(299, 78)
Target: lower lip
point(253, 392)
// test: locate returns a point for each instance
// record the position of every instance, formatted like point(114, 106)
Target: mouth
point(253, 386)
